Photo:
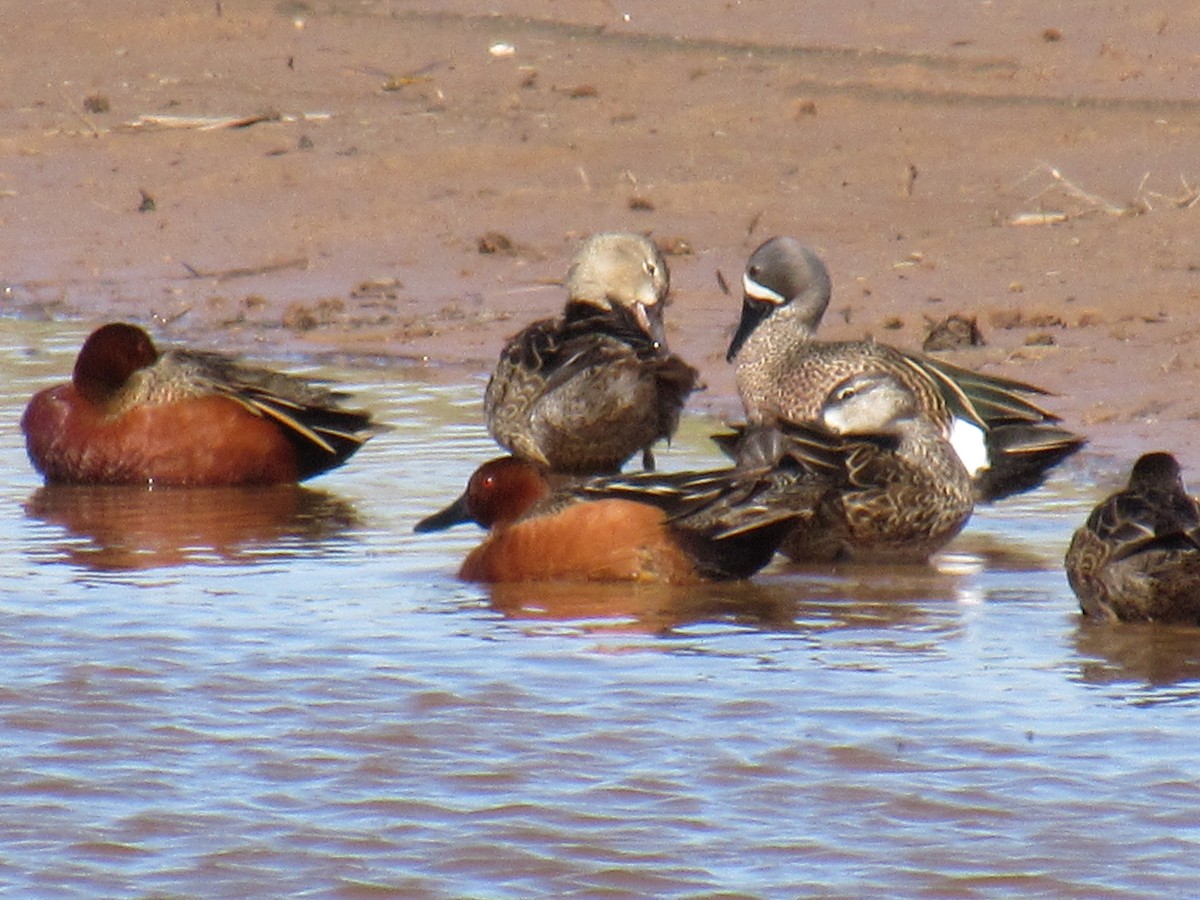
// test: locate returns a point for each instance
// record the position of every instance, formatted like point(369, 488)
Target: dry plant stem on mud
point(150, 121)
point(246, 271)
point(1188, 197)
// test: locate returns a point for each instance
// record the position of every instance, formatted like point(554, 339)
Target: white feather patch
point(968, 442)
point(758, 292)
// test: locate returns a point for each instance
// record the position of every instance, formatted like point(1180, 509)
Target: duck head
point(784, 281)
point(619, 271)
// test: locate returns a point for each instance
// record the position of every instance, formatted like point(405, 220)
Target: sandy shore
point(406, 181)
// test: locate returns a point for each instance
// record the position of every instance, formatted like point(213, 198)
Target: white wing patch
point(968, 442)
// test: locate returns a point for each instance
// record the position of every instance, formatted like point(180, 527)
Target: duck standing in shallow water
point(675, 529)
point(877, 478)
point(586, 390)
point(783, 372)
point(132, 414)
point(1137, 558)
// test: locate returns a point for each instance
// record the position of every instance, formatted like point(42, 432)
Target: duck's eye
point(651, 269)
point(754, 272)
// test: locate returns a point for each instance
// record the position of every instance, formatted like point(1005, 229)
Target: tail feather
point(738, 553)
point(1021, 458)
point(323, 436)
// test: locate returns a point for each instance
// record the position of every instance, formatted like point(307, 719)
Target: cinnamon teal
point(588, 389)
point(676, 528)
point(1005, 439)
point(1137, 557)
point(134, 414)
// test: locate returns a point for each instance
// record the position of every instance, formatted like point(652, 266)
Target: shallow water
point(287, 692)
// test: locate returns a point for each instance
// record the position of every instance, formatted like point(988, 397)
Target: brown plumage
point(1137, 557)
point(133, 414)
point(678, 528)
point(877, 479)
point(784, 374)
point(588, 389)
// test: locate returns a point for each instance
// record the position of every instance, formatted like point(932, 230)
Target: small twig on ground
point(1045, 217)
point(1188, 196)
point(300, 262)
point(1091, 199)
point(200, 123)
point(151, 121)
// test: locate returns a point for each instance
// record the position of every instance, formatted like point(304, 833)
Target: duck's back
point(585, 401)
point(791, 382)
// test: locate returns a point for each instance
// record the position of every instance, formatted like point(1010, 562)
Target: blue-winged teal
point(585, 391)
point(1137, 558)
point(877, 478)
point(784, 373)
point(132, 414)
point(675, 528)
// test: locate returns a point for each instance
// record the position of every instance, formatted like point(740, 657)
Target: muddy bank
point(407, 181)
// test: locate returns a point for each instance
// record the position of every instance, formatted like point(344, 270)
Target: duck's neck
point(777, 335)
point(761, 357)
point(617, 321)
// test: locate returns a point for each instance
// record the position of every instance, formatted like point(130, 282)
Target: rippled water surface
point(284, 692)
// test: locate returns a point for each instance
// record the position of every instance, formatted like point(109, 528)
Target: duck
point(135, 414)
point(875, 480)
point(1007, 441)
point(585, 391)
point(648, 527)
point(875, 477)
point(1137, 557)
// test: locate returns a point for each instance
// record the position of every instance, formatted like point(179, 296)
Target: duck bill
point(650, 319)
point(753, 312)
point(454, 514)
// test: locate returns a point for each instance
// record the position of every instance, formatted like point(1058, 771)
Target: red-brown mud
point(419, 174)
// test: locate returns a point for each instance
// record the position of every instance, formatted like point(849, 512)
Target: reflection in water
point(134, 527)
point(891, 603)
point(980, 551)
point(1151, 654)
point(790, 599)
point(644, 608)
